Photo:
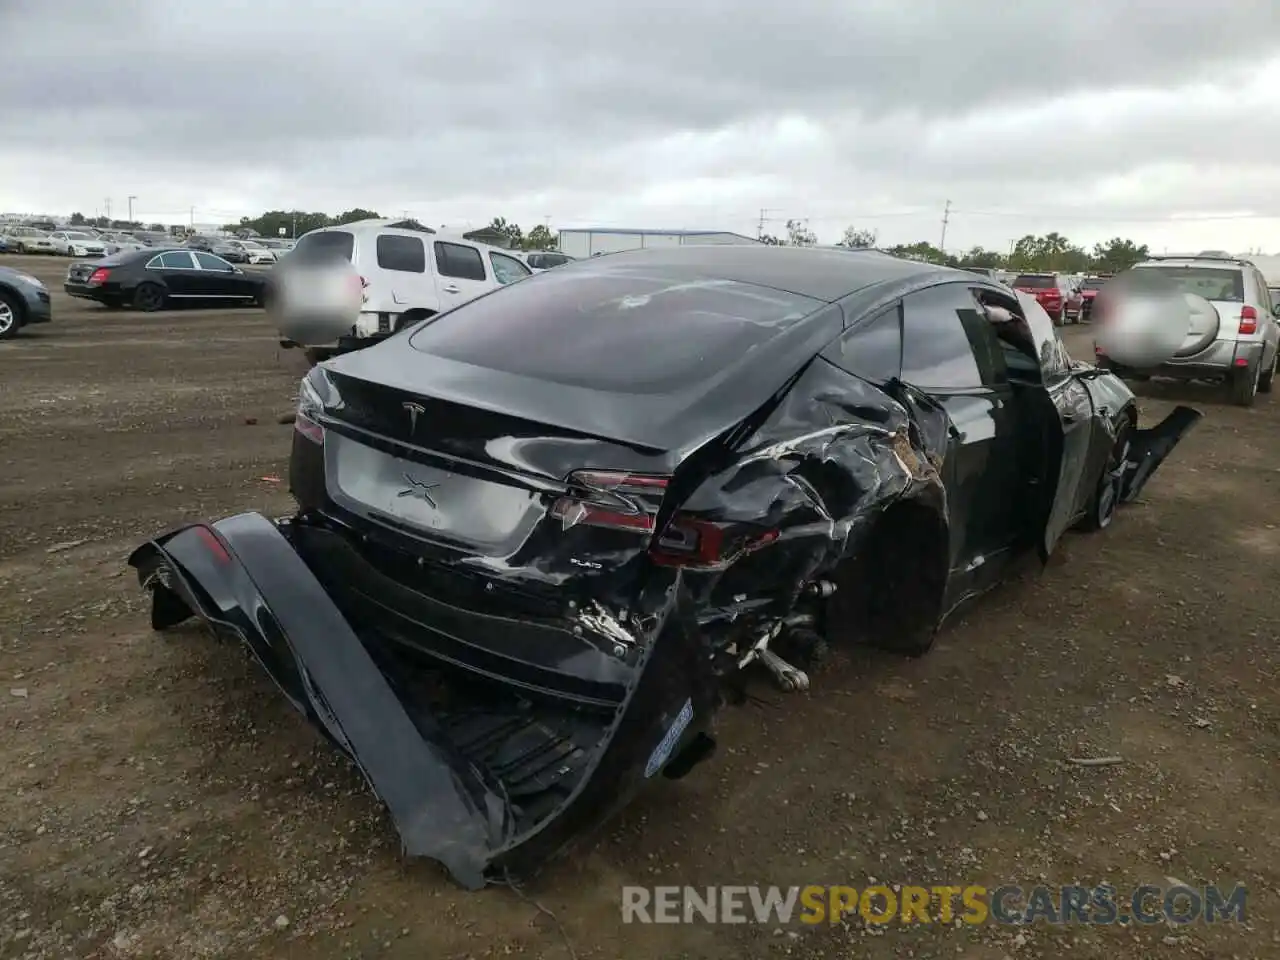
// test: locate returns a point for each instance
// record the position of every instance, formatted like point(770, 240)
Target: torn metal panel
point(459, 786)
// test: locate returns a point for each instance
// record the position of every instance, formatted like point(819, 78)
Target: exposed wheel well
point(890, 592)
point(410, 317)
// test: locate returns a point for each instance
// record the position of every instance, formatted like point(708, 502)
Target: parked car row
point(71, 241)
point(257, 250)
point(85, 241)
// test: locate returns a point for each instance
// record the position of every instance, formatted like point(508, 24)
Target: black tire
point(1106, 494)
point(10, 315)
point(149, 297)
point(1242, 386)
point(1061, 319)
point(1267, 380)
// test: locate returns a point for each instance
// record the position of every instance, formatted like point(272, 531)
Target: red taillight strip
point(1248, 319)
point(606, 498)
point(574, 512)
point(214, 544)
point(308, 428)
point(614, 479)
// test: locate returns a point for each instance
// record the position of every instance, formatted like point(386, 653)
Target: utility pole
point(946, 215)
point(764, 217)
point(108, 205)
point(193, 218)
point(131, 199)
point(295, 226)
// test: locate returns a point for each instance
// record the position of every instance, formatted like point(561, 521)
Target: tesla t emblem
point(414, 409)
point(419, 488)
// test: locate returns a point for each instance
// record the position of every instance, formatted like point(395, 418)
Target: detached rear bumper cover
point(1150, 447)
point(243, 578)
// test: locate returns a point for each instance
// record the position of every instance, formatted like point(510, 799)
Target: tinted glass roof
point(823, 274)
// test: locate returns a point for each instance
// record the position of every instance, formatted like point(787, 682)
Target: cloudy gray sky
point(1153, 120)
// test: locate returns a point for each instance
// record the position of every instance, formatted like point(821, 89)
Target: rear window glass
point(1094, 284)
point(545, 261)
point(406, 254)
point(619, 332)
point(1035, 281)
point(326, 243)
point(125, 256)
point(1212, 283)
point(459, 260)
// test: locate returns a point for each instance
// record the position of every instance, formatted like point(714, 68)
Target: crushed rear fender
point(243, 578)
point(1150, 447)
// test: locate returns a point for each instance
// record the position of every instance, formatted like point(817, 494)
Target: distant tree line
point(1051, 252)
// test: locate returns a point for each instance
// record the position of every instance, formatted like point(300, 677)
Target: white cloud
point(1093, 119)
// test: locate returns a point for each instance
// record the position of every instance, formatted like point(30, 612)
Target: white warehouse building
point(588, 241)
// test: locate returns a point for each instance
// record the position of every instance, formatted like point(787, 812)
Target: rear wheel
point(149, 297)
point(1242, 385)
point(1106, 495)
point(10, 311)
point(1266, 381)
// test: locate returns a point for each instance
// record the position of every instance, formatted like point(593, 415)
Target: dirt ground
point(159, 799)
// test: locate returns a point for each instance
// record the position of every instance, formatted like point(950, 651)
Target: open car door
point(1073, 419)
point(1067, 417)
point(1077, 448)
point(1055, 420)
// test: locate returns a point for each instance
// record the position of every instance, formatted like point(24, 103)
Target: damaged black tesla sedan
point(541, 536)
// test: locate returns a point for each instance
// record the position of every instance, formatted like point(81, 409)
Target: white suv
point(408, 272)
point(1234, 334)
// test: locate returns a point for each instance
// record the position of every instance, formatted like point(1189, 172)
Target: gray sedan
point(23, 300)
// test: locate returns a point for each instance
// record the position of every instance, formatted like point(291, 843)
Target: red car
point(1089, 290)
point(1055, 292)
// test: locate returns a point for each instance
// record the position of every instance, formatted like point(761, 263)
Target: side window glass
point(405, 254)
point(173, 260)
point(207, 261)
point(1028, 337)
point(984, 342)
point(871, 349)
point(459, 260)
point(1264, 294)
point(935, 346)
point(507, 269)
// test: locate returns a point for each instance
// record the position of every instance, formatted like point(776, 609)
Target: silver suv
point(1234, 334)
